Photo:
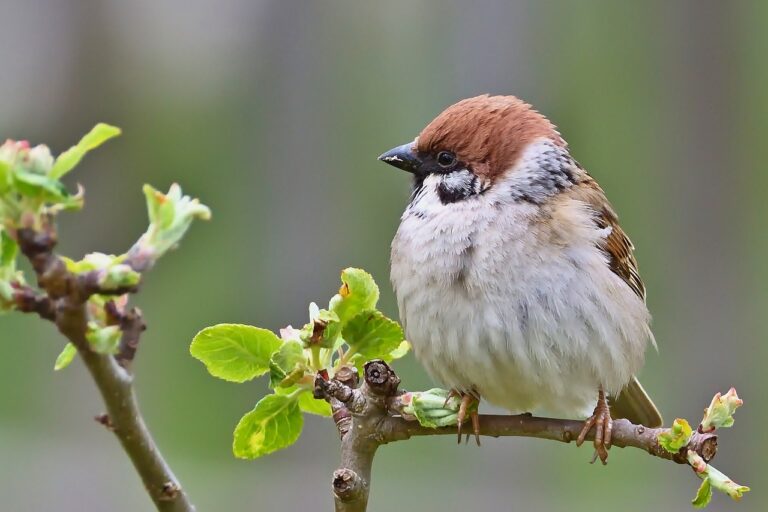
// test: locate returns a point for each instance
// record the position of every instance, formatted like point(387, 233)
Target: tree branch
point(64, 303)
point(372, 414)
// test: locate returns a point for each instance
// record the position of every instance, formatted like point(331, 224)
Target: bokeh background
point(273, 112)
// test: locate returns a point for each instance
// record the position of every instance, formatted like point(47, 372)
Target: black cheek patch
point(457, 187)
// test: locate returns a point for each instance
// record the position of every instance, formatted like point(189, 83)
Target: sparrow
point(515, 283)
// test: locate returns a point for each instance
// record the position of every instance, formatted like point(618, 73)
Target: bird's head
point(479, 138)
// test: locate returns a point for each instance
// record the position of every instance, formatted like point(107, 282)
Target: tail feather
point(634, 404)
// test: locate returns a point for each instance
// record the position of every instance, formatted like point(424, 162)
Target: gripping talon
point(603, 423)
point(475, 417)
point(467, 399)
point(462, 414)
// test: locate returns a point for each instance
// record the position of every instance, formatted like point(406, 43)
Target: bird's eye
point(446, 158)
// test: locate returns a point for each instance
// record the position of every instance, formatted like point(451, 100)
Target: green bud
point(8, 273)
point(720, 412)
point(170, 215)
point(432, 408)
point(676, 437)
point(104, 340)
point(111, 272)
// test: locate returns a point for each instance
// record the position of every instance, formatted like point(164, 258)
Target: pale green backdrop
point(274, 112)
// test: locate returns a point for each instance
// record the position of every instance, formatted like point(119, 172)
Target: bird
point(514, 281)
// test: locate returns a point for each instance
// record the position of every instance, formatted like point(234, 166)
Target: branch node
point(132, 324)
point(104, 419)
point(327, 389)
point(348, 375)
point(380, 378)
point(347, 485)
point(29, 301)
point(170, 491)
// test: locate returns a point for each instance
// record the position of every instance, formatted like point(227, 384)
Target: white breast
point(517, 306)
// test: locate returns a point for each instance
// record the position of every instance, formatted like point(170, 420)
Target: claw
point(475, 417)
point(462, 415)
point(603, 423)
point(467, 399)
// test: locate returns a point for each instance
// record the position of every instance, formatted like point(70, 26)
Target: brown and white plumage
point(514, 280)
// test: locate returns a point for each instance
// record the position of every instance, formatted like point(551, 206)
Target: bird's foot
point(603, 423)
point(468, 406)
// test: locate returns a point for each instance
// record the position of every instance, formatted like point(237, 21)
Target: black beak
point(403, 157)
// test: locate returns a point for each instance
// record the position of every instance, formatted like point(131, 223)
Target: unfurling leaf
point(70, 158)
point(323, 329)
point(283, 363)
point(274, 423)
point(358, 293)
point(724, 484)
point(676, 437)
point(235, 352)
point(372, 335)
point(66, 357)
point(719, 414)
point(713, 479)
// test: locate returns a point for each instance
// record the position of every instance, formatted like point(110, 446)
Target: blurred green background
point(273, 112)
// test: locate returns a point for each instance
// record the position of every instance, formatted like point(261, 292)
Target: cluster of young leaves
point(348, 333)
point(719, 414)
point(31, 194)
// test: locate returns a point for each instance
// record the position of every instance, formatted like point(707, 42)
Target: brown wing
point(633, 403)
point(617, 244)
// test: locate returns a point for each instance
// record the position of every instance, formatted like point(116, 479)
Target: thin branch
point(30, 301)
point(64, 303)
point(371, 415)
point(625, 433)
point(132, 325)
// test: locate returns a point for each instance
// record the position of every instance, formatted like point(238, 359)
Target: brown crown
point(487, 132)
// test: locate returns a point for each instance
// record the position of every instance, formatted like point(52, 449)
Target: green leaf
point(31, 184)
point(401, 351)
point(307, 403)
point(284, 361)
point(66, 357)
point(703, 495)
point(5, 176)
point(274, 423)
point(8, 250)
point(71, 157)
point(312, 405)
point(372, 335)
point(235, 352)
point(358, 293)
point(676, 437)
